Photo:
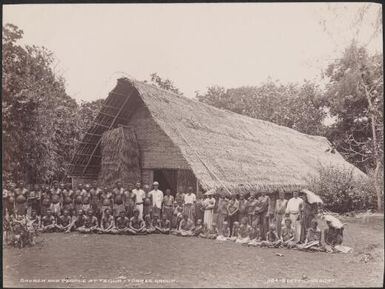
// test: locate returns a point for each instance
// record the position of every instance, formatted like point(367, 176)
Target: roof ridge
point(223, 110)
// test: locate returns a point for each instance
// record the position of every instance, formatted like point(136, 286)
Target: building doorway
point(167, 179)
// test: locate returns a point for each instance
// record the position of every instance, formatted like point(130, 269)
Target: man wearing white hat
point(157, 199)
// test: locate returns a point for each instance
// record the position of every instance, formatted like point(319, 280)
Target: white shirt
point(139, 195)
point(294, 205)
point(190, 199)
point(157, 198)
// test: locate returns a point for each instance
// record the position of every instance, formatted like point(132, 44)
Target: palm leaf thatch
point(226, 149)
point(120, 157)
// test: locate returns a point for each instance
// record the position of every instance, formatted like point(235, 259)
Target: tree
point(86, 114)
point(296, 106)
point(164, 84)
point(355, 97)
point(38, 115)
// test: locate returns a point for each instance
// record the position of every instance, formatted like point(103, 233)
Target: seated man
point(90, 223)
point(287, 235)
point(77, 221)
point(48, 222)
point(224, 233)
point(313, 238)
point(121, 224)
point(107, 223)
point(333, 237)
point(137, 225)
point(164, 225)
point(244, 232)
point(155, 222)
point(213, 232)
point(272, 240)
point(198, 228)
point(150, 228)
point(64, 222)
point(255, 237)
point(186, 227)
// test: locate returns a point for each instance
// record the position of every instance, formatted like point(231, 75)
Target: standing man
point(280, 208)
point(140, 195)
point(95, 199)
point(157, 199)
point(294, 207)
point(168, 205)
point(263, 213)
point(147, 203)
point(189, 204)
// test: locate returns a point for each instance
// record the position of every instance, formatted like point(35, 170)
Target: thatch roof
point(228, 149)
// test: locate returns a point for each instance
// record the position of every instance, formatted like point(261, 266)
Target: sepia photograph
point(193, 145)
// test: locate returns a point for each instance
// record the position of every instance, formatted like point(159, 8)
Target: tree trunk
point(377, 157)
point(378, 187)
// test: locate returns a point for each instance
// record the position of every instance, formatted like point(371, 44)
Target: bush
point(342, 193)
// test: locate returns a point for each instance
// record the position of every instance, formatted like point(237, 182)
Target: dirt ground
point(74, 260)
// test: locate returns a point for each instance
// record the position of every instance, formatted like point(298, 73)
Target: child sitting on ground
point(224, 232)
point(64, 222)
point(205, 232)
point(121, 224)
point(272, 240)
point(244, 232)
point(213, 232)
point(137, 225)
point(186, 227)
point(150, 228)
point(77, 221)
point(255, 238)
point(90, 223)
point(164, 225)
point(107, 223)
point(198, 228)
point(287, 235)
point(48, 222)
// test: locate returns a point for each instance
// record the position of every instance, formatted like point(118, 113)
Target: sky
point(194, 45)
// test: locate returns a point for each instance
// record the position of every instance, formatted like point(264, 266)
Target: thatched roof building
point(181, 138)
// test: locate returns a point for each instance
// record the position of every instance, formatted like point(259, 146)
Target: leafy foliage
point(164, 83)
point(340, 192)
point(40, 121)
point(349, 77)
point(294, 106)
point(86, 114)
